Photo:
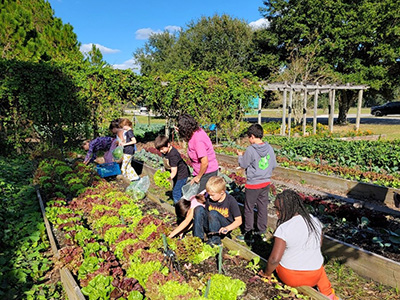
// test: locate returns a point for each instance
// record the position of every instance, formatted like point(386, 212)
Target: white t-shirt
point(303, 250)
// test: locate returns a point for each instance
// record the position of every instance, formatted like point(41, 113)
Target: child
point(129, 149)
point(220, 215)
point(185, 212)
point(119, 136)
point(296, 255)
point(179, 169)
point(102, 143)
point(259, 161)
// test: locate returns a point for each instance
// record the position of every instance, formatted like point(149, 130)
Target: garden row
point(365, 228)
point(376, 162)
point(25, 260)
point(114, 245)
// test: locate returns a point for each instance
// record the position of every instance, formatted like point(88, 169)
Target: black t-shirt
point(131, 148)
point(175, 160)
point(229, 208)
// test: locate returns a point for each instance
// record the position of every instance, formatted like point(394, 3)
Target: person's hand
point(239, 152)
point(262, 274)
point(195, 179)
point(223, 230)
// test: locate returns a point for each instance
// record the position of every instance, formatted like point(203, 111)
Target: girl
point(296, 255)
point(129, 149)
point(185, 212)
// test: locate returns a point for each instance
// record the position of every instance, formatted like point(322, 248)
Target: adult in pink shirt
point(200, 150)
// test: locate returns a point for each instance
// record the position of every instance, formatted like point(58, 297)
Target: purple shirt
point(200, 146)
point(101, 143)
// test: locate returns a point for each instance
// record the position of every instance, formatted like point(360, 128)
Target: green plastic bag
point(118, 153)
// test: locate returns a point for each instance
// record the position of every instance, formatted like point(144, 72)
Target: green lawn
point(389, 132)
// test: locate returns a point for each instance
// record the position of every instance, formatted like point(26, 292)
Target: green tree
point(358, 40)
point(211, 43)
point(30, 32)
point(211, 97)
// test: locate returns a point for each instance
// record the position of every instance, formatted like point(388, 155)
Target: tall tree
point(211, 43)
point(30, 32)
point(358, 40)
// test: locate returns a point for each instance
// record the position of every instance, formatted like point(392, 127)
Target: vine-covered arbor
point(306, 89)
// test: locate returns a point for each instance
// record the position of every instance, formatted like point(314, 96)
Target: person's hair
point(216, 184)
point(125, 122)
point(200, 198)
point(161, 141)
point(181, 209)
point(114, 124)
point(256, 130)
point(290, 204)
point(187, 125)
point(85, 142)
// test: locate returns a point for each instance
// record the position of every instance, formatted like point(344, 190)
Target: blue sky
point(119, 27)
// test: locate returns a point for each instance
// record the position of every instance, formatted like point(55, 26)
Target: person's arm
point(275, 257)
point(132, 142)
point(235, 224)
point(174, 171)
point(203, 169)
point(90, 153)
point(185, 223)
point(244, 159)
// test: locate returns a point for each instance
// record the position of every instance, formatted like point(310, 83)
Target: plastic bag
point(190, 190)
point(118, 152)
point(138, 189)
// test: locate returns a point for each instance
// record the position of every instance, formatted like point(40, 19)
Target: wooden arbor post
point(305, 111)
point(290, 110)
point(331, 109)
point(283, 127)
point(315, 110)
point(359, 104)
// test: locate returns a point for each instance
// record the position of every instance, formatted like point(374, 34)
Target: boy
point(259, 161)
point(102, 143)
point(220, 215)
point(179, 169)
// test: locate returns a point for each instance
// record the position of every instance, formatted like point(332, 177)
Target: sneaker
point(260, 236)
point(246, 237)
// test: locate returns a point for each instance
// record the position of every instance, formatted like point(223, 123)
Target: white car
point(143, 109)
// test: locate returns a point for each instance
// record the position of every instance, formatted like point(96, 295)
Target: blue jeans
point(208, 221)
point(177, 189)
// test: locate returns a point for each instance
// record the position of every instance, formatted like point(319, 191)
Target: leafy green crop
point(161, 179)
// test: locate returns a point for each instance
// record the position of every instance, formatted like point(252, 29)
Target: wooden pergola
point(310, 89)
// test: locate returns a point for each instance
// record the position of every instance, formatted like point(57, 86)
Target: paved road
point(351, 118)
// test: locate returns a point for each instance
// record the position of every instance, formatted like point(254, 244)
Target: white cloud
point(144, 33)
point(259, 24)
point(129, 64)
point(172, 28)
point(85, 48)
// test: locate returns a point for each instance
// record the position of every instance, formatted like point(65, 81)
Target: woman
point(200, 150)
point(296, 255)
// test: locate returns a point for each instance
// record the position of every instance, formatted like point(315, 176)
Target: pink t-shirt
point(194, 203)
point(200, 146)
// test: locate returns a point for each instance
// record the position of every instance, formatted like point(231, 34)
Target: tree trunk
point(345, 100)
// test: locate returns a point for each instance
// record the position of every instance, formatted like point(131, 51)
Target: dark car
point(390, 108)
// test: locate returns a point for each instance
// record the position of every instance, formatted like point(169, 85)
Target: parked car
point(390, 108)
point(143, 109)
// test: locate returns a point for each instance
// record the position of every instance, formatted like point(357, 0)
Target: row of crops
point(366, 161)
point(25, 261)
point(115, 245)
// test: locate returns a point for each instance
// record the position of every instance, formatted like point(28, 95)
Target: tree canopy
point(211, 43)
point(357, 40)
point(30, 32)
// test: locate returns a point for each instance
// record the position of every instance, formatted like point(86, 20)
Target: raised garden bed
point(100, 242)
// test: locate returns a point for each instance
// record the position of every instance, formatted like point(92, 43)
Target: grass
point(388, 132)
point(348, 285)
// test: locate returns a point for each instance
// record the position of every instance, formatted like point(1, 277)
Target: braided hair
point(291, 204)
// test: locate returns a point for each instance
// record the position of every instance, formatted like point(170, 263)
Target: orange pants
point(310, 278)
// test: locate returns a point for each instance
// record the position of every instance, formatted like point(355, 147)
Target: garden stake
point(170, 259)
point(207, 288)
point(220, 260)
